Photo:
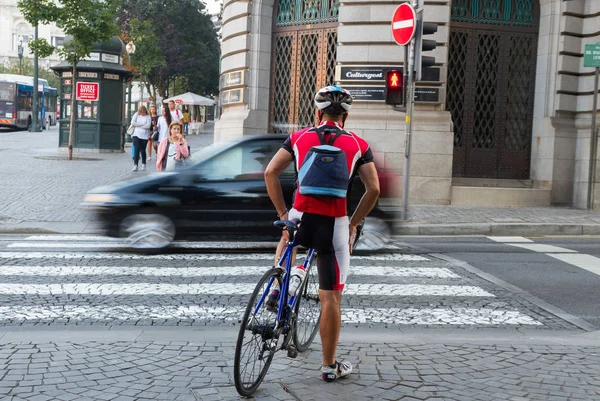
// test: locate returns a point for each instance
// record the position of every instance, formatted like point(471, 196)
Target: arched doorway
point(491, 86)
point(304, 54)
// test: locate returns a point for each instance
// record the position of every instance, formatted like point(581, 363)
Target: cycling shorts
point(329, 237)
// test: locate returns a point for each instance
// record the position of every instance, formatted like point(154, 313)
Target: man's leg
point(331, 321)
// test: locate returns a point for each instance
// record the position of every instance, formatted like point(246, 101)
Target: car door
point(228, 195)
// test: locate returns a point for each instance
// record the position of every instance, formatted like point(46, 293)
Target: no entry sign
point(404, 24)
point(87, 91)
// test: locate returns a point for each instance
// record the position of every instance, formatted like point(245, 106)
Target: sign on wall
point(377, 94)
point(235, 78)
point(232, 96)
point(83, 74)
point(110, 58)
point(375, 73)
point(88, 91)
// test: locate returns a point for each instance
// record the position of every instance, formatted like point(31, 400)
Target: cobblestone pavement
point(435, 367)
point(39, 184)
point(78, 283)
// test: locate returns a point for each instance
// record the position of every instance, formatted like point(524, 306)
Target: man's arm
point(368, 175)
point(280, 161)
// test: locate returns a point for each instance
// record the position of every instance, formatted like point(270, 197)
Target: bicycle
point(267, 328)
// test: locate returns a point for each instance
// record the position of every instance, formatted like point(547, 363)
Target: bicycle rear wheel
point(256, 344)
point(308, 310)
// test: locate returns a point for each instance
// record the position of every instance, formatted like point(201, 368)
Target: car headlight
point(99, 198)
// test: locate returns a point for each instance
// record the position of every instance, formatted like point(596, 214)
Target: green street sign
point(591, 57)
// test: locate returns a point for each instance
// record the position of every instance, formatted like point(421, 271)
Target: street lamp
point(20, 50)
point(130, 49)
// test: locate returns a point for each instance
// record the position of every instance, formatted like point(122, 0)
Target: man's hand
point(352, 235)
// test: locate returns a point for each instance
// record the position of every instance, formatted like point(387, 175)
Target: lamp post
point(130, 49)
point(34, 118)
point(20, 50)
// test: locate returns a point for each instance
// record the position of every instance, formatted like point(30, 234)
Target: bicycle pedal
point(292, 352)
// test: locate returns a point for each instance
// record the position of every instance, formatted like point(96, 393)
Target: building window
point(58, 41)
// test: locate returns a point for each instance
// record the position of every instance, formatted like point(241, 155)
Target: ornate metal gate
point(491, 86)
point(304, 54)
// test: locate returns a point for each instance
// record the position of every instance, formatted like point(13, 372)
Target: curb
point(491, 229)
point(497, 229)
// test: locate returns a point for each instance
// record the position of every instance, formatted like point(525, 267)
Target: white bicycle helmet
point(332, 96)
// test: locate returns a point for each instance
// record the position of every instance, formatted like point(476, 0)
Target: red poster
point(87, 91)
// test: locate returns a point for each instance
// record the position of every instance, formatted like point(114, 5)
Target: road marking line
point(543, 248)
point(409, 316)
point(212, 256)
point(381, 290)
point(386, 271)
point(584, 261)
point(509, 239)
point(72, 238)
point(120, 245)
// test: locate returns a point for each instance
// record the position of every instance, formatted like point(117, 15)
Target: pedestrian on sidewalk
point(163, 124)
point(186, 121)
point(142, 122)
point(152, 141)
point(175, 113)
point(173, 150)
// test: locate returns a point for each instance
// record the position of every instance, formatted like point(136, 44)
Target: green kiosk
point(99, 110)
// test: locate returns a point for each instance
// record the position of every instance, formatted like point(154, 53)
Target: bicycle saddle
point(291, 225)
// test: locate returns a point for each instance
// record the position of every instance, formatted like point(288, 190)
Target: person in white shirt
point(163, 124)
point(141, 121)
point(175, 113)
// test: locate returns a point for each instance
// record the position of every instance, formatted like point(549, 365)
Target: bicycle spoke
point(253, 350)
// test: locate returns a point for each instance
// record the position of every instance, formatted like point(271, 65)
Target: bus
point(16, 101)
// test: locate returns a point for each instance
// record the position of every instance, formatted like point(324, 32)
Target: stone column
point(245, 48)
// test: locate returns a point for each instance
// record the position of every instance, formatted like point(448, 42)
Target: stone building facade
point(503, 117)
point(13, 26)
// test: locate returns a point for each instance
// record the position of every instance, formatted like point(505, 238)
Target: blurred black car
point(221, 195)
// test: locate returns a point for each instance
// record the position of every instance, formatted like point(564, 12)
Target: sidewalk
point(42, 191)
point(182, 363)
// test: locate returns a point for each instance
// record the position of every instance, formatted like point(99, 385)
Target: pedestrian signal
point(394, 87)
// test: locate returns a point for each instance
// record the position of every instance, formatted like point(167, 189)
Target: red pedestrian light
point(394, 87)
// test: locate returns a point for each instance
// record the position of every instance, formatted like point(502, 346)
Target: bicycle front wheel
point(308, 310)
point(256, 343)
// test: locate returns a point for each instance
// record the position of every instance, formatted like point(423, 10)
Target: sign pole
point(593, 144)
point(408, 136)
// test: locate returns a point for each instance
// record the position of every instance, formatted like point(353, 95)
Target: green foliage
point(87, 21)
point(178, 42)
point(43, 48)
point(13, 68)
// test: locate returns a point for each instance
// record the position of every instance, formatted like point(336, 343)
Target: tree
point(48, 75)
point(86, 21)
point(178, 42)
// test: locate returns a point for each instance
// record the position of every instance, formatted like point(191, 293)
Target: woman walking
point(163, 124)
point(142, 122)
point(153, 131)
point(173, 150)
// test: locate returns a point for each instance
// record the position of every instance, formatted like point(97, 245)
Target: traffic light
point(423, 45)
point(394, 87)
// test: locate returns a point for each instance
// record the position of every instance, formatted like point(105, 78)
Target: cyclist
point(324, 222)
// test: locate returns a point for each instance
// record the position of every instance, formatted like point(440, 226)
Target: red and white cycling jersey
point(357, 152)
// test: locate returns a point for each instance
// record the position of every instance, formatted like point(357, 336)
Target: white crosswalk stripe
point(133, 256)
point(356, 270)
point(73, 280)
point(382, 290)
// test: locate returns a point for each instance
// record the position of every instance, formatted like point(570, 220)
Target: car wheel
point(148, 230)
point(375, 235)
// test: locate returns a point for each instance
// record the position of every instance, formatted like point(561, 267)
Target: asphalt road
point(537, 270)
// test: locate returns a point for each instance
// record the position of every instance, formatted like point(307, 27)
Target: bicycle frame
point(283, 291)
